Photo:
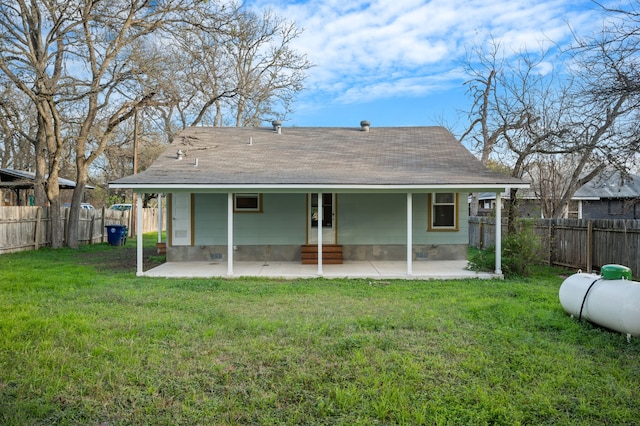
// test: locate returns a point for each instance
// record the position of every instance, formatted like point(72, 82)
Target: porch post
point(230, 233)
point(579, 209)
point(409, 233)
point(498, 233)
point(139, 255)
point(320, 233)
point(159, 217)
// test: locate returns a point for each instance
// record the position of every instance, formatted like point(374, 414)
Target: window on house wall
point(616, 207)
point(443, 211)
point(247, 203)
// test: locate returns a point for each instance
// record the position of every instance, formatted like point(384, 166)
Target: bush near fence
point(573, 243)
point(28, 228)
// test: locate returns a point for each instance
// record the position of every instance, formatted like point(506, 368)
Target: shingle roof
point(317, 156)
point(610, 185)
point(25, 179)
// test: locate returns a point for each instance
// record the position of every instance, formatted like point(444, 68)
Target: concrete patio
point(349, 269)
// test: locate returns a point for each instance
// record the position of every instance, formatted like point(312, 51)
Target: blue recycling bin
point(116, 234)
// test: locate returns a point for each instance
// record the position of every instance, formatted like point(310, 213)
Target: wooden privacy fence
point(574, 243)
point(28, 228)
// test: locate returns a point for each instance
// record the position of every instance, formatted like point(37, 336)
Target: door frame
point(188, 240)
point(329, 234)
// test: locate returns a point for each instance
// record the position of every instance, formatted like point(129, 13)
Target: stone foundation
point(291, 253)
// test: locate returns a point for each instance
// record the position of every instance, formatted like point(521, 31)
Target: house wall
point(283, 221)
point(610, 209)
point(374, 227)
point(369, 227)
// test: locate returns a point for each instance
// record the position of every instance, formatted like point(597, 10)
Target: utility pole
point(132, 217)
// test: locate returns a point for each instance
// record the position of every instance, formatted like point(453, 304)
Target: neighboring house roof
point(316, 156)
point(608, 185)
point(10, 178)
point(603, 186)
point(523, 194)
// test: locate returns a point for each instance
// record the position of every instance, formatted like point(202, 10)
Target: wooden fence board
point(27, 228)
point(574, 243)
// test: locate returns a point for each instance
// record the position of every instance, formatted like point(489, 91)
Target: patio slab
point(454, 269)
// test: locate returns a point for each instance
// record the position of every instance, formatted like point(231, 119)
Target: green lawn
point(85, 341)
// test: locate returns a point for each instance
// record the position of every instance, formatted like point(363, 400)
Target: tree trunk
point(53, 194)
point(473, 208)
point(82, 176)
point(512, 211)
point(39, 187)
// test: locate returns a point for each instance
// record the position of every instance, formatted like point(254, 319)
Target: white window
point(443, 211)
point(248, 203)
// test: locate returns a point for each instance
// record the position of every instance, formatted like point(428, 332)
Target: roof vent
point(364, 125)
point(277, 126)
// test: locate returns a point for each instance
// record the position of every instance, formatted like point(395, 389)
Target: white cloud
point(386, 48)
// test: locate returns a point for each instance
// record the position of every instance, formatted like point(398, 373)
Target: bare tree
point(240, 71)
point(89, 66)
point(506, 92)
point(585, 114)
point(71, 60)
point(268, 72)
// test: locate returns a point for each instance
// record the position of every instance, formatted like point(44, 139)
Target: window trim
point(237, 209)
point(456, 213)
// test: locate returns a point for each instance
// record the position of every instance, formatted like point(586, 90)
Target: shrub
point(520, 251)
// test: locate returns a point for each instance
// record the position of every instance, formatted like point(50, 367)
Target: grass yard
point(85, 341)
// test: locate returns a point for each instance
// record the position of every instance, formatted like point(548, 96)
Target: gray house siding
point(611, 209)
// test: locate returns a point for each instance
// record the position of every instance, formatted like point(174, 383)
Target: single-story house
point(316, 195)
point(608, 196)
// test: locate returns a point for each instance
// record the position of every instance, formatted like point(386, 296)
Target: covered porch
point(427, 270)
point(409, 268)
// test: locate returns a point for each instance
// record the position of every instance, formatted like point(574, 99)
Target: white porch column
point(499, 233)
point(139, 255)
point(159, 217)
point(229, 233)
point(409, 233)
point(320, 233)
point(579, 209)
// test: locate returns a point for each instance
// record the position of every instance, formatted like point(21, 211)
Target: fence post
point(92, 225)
point(104, 212)
point(36, 239)
point(589, 246)
point(551, 243)
point(66, 226)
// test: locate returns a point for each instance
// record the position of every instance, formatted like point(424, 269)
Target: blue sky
point(398, 62)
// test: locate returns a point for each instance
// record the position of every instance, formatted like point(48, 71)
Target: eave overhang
point(307, 188)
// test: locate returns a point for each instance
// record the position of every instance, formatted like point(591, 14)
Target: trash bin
point(116, 234)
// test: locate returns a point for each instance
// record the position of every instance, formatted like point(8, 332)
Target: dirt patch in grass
point(121, 259)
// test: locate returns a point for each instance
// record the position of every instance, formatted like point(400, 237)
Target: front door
point(328, 219)
point(181, 219)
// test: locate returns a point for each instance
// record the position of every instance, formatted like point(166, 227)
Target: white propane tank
point(610, 300)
